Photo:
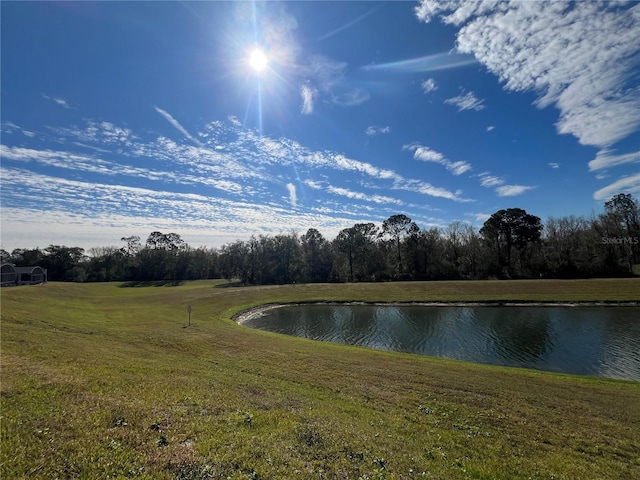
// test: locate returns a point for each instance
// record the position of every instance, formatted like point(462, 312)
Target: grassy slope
point(104, 382)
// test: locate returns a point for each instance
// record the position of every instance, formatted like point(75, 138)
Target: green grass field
point(100, 381)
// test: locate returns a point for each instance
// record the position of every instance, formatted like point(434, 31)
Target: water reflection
point(602, 341)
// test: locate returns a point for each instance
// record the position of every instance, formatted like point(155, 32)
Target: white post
point(189, 311)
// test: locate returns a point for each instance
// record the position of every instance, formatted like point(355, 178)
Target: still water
point(600, 341)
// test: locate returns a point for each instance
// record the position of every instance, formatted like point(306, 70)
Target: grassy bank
point(100, 381)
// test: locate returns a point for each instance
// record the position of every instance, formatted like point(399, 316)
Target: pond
point(586, 340)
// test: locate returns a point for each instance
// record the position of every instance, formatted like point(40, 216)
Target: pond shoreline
point(243, 316)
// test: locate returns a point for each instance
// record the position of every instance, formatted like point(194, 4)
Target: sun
point(258, 60)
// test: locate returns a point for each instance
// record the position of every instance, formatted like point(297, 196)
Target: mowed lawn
point(100, 381)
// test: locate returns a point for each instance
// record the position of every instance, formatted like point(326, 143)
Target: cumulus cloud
point(426, 154)
point(578, 56)
point(466, 101)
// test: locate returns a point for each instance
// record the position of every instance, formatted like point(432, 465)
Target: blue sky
point(120, 119)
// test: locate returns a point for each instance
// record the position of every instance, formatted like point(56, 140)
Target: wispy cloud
point(628, 184)
point(554, 165)
point(490, 127)
point(8, 128)
point(498, 184)
point(428, 63)
point(429, 85)
point(293, 198)
point(60, 101)
point(105, 133)
point(512, 190)
point(308, 94)
point(466, 101)
point(177, 125)
point(373, 130)
point(576, 56)
point(380, 199)
point(606, 158)
point(349, 24)
point(426, 154)
point(481, 217)
point(327, 77)
point(231, 185)
point(487, 180)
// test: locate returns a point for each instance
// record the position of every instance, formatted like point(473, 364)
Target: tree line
point(511, 244)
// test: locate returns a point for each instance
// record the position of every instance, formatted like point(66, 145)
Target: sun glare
point(258, 60)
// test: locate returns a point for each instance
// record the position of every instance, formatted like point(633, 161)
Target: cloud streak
point(307, 93)
point(177, 125)
point(607, 159)
point(426, 154)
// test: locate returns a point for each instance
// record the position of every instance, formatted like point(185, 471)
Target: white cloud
point(380, 199)
point(373, 130)
point(491, 181)
point(308, 94)
point(177, 125)
point(429, 85)
point(426, 188)
point(53, 209)
point(426, 154)
point(466, 101)
point(490, 127)
point(459, 167)
point(481, 217)
point(488, 181)
point(60, 101)
point(228, 185)
point(512, 190)
point(605, 158)
point(577, 56)
point(554, 165)
point(293, 199)
point(313, 184)
point(630, 184)
point(105, 133)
